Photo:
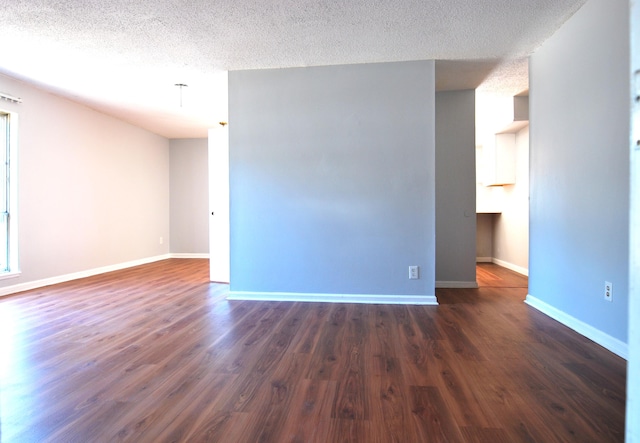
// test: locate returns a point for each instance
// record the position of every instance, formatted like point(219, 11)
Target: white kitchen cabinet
point(499, 160)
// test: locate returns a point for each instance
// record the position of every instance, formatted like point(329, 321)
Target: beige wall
point(93, 191)
point(189, 196)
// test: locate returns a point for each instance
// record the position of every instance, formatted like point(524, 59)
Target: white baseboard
point(504, 264)
point(515, 268)
point(484, 259)
point(456, 284)
point(335, 298)
point(612, 344)
point(27, 286)
point(188, 255)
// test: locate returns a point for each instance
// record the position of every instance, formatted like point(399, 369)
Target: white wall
point(332, 179)
point(93, 191)
point(189, 200)
point(455, 189)
point(579, 114)
point(511, 227)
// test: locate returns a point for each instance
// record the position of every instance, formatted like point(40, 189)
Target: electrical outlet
point(161, 240)
point(414, 272)
point(608, 291)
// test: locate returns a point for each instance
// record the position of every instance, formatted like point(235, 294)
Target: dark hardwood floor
point(156, 354)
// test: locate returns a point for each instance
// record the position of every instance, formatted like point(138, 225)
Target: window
point(8, 237)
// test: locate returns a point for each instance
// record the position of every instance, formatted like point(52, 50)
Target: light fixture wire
point(181, 85)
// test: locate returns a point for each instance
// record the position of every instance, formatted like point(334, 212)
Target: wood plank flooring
point(156, 354)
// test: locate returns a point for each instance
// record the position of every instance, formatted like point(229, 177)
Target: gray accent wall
point(455, 187)
point(332, 179)
point(579, 160)
point(189, 196)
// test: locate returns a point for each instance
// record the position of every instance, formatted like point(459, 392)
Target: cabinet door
point(500, 161)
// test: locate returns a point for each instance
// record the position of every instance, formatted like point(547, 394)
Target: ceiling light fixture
point(181, 85)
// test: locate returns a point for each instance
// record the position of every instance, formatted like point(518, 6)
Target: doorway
point(502, 181)
point(219, 251)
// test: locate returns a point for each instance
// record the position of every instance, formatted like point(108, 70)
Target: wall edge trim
point(189, 255)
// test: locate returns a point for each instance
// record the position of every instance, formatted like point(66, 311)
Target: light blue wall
point(332, 179)
point(455, 187)
point(580, 167)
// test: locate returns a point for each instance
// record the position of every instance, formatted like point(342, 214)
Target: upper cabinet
point(499, 157)
point(500, 161)
point(520, 115)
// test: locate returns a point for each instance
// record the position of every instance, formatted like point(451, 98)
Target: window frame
point(11, 194)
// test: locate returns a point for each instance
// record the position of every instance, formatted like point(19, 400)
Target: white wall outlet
point(608, 291)
point(161, 240)
point(414, 272)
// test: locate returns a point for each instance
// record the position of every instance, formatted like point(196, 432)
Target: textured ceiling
point(124, 57)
